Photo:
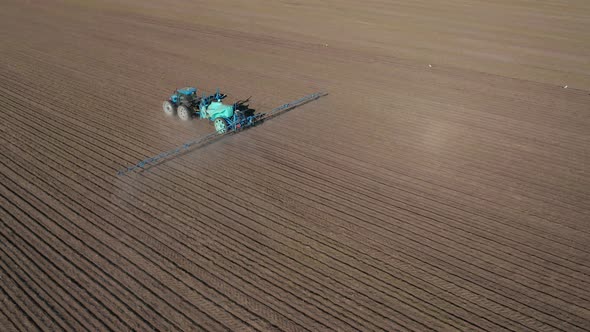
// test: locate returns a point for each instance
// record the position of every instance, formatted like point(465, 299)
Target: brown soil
point(441, 185)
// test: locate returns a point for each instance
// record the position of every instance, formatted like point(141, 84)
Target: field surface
point(443, 184)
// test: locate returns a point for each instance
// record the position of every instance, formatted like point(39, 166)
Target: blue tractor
point(227, 119)
point(186, 103)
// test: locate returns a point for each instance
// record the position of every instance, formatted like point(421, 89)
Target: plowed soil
point(443, 184)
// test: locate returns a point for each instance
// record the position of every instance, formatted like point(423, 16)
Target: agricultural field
point(443, 184)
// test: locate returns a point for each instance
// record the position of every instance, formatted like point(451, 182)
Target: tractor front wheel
point(168, 108)
point(183, 113)
point(220, 125)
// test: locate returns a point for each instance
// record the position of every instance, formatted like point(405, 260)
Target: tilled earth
point(442, 184)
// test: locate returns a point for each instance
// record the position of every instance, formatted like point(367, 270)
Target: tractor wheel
point(168, 108)
point(183, 113)
point(220, 125)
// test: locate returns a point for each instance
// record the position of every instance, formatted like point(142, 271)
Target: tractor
point(186, 103)
point(228, 119)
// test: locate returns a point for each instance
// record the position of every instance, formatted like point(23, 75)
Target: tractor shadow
point(244, 107)
point(192, 146)
point(185, 150)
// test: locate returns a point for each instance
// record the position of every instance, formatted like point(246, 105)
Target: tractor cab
point(184, 96)
point(188, 91)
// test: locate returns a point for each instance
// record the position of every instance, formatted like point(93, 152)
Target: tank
point(219, 110)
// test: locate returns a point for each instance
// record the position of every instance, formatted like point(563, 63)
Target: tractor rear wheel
point(220, 125)
point(168, 108)
point(183, 113)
